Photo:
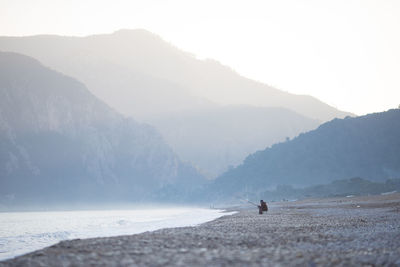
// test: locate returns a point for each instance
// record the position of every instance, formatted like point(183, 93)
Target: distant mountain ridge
point(59, 143)
point(140, 75)
point(144, 65)
point(366, 146)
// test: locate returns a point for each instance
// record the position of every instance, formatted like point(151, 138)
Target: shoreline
point(26, 232)
point(334, 231)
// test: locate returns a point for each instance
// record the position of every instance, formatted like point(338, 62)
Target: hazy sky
point(345, 52)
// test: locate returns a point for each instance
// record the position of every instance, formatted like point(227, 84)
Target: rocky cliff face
point(58, 142)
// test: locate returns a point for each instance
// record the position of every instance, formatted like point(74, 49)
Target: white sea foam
point(22, 232)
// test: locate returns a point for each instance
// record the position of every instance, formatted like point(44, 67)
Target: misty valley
point(118, 124)
point(123, 133)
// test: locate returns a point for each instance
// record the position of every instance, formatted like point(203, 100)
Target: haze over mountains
point(366, 147)
point(220, 138)
point(140, 75)
point(59, 143)
point(141, 62)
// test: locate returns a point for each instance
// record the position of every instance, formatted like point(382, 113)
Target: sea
point(23, 232)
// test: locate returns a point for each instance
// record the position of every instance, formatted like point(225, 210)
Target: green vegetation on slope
point(367, 146)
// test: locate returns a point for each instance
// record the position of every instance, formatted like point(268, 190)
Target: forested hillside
point(366, 146)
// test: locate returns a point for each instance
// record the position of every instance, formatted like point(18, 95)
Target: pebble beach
point(346, 231)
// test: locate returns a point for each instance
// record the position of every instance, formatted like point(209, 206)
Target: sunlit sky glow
point(344, 52)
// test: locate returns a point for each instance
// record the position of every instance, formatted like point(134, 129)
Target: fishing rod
point(252, 203)
point(245, 200)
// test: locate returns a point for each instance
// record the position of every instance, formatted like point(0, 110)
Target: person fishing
point(262, 207)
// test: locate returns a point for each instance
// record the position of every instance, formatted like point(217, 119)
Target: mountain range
point(60, 143)
point(132, 70)
point(140, 75)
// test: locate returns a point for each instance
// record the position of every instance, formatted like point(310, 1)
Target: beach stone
point(323, 232)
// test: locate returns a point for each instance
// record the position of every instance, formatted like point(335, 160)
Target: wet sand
point(322, 232)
